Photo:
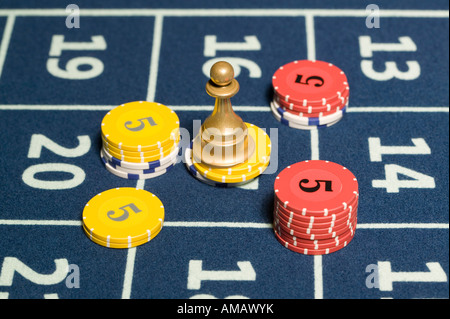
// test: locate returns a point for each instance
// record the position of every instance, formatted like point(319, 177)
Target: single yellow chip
point(123, 215)
point(140, 126)
point(111, 244)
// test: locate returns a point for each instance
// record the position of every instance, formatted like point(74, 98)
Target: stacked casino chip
point(309, 94)
point(315, 207)
point(236, 175)
point(140, 140)
point(123, 217)
point(226, 151)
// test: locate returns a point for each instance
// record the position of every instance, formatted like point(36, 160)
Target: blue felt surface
point(218, 226)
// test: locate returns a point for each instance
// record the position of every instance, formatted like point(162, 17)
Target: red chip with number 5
point(310, 83)
point(316, 188)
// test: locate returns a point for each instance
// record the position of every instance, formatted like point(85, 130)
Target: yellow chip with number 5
point(123, 216)
point(140, 126)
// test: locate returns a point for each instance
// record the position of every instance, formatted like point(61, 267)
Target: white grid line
point(129, 273)
point(318, 277)
point(154, 62)
point(242, 108)
point(310, 37)
point(400, 13)
point(5, 40)
point(208, 224)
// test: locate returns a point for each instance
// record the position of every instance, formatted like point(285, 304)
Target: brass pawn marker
point(223, 140)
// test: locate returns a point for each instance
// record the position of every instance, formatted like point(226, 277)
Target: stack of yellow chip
point(140, 140)
point(239, 174)
point(123, 217)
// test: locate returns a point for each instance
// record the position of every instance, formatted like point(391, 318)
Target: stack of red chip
point(309, 94)
point(315, 208)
